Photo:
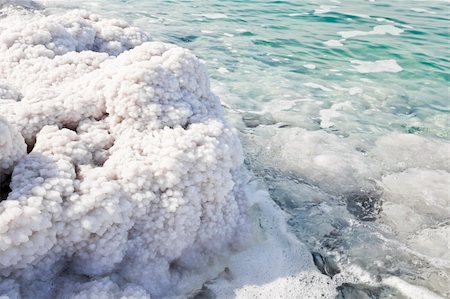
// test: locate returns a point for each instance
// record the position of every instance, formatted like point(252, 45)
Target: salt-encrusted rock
point(12, 148)
point(132, 169)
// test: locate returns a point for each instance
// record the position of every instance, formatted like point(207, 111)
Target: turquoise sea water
point(265, 50)
point(343, 109)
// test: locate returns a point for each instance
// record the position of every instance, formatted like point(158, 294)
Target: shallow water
point(343, 107)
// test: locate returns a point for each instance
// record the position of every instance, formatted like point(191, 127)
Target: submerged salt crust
point(132, 185)
point(338, 186)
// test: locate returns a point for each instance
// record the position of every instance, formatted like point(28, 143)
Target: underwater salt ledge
point(133, 184)
point(378, 208)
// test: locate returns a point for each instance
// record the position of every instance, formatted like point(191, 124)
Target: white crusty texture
point(133, 175)
point(12, 148)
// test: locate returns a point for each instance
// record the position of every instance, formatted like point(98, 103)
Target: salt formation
point(12, 148)
point(133, 180)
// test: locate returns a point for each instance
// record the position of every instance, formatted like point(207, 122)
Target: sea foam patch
point(377, 66)
point(377, 30)
point(324, 9)
point(333, 43)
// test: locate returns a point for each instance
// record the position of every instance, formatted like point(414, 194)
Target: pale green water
point(275, 69)
point(268, 43)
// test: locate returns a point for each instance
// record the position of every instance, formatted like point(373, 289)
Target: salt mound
point(133, 173)
point(12, 148)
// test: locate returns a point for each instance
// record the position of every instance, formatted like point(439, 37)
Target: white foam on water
point(316, 86)
point(214, 16)
point(422, 10)
point(384, 20)
point(310, 66)
point(355, 90)
point(323, 9)
point(333, 43)
point(222, 70)
point(279, 105)
point(378, 66)
point(377, 30)
point(297, 14)
point(326, 115)
point(353, 33)
point(387, 29)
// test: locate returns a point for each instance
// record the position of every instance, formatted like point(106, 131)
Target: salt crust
point(133, 182)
